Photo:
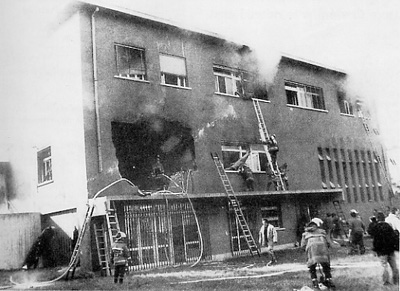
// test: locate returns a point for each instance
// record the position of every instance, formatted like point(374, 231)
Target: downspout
point(96, 95)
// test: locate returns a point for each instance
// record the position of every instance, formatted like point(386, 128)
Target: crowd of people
point(317, 236)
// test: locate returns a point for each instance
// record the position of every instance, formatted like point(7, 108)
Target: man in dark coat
point(385, 244)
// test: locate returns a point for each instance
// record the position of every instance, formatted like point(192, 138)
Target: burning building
point(141, 99)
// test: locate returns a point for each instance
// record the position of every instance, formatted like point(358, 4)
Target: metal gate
point(161, 234)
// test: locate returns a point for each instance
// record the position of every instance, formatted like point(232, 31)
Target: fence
point(161, 234)
point(18, 233)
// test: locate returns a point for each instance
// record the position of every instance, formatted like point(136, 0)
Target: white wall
point(44, 107)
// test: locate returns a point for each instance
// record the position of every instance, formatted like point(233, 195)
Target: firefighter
point(119, 257)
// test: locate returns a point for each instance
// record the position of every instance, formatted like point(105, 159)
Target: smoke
point(229, 112)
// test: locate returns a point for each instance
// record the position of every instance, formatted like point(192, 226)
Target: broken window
point(344, 105)
point(173, 71)
point(138, 145)
point(304, 95)
point(257, 161)
point(45, 173)
point(130, 62)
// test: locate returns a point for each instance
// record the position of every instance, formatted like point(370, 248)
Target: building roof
point(312, 64)
point(111, 6)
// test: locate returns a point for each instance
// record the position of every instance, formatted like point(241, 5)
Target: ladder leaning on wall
point(234, 202)
point(264, 138)
point(77, 249)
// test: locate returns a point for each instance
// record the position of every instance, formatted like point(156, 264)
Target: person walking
point(119, 257)
point(268, 237)
point(316, 245)
point(356, 233)
point(385, 244)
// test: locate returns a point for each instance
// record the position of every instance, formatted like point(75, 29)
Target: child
point(316, 245)
point(119, 256)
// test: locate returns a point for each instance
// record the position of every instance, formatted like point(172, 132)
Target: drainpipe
point(96, 95)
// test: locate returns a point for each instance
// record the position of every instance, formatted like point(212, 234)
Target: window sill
point(175, 86)
point(348, 115)
point(262, 100)
point(307, 108)
point(132, 79)
point(226, 95)
point(45, 183)
point(237, 171)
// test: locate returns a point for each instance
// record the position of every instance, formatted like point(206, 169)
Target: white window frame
point(231, 77)
point(132, 73)
point(304, 95)
point(45, 172)
point(253, 161)
point(181, 77)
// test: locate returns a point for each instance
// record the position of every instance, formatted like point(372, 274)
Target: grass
point(350, 273)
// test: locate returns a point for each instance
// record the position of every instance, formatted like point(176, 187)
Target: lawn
point(245, 273)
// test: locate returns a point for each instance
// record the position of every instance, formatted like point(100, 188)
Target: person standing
point(268, 237)
point(356, 233)
point(385, 243)
point(316, 245)
point(119, 256)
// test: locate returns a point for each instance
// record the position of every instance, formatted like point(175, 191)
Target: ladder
point(264, 138)
point(103, 249)
point(112, 222)
point(342, 217)
point(75, 254)
point(377, 156)
point(235, 205)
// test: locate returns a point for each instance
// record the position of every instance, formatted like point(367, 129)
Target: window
point(272, 212)
point(344, 105)
point(304, 95)
point(45, 173)
point(257, 161)
point(173, 71)
point(130, 62)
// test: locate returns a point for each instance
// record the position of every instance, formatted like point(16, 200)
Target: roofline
point(106, 5)
point(312, 63)
point(169, 195)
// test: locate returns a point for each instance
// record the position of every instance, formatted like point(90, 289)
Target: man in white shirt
point(393, 219)
point(268, 237)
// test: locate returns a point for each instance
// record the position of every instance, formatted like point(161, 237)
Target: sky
point(359, 37)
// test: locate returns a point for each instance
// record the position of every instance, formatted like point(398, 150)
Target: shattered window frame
point(257, 161)
point(228, 81)
point(44, 162)
point(130, 62)
point(304, 96)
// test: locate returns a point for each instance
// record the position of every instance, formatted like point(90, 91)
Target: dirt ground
point(359, 272)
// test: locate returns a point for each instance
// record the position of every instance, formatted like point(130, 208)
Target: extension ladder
point(341, 216)
point(235, 205)
point(75, 254)
point(264, 138)
point(103, 249)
